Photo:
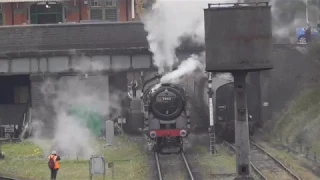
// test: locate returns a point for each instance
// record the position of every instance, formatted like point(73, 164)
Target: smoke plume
point(167, 23)
point(72, 137)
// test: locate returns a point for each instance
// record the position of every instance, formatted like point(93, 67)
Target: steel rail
point(156, 156)
point(187, 166)
point(254, 168)
point(294, 176)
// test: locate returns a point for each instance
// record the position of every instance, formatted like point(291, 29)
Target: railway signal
point(212, 133)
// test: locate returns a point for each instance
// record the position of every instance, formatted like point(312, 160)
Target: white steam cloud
point(167, 23)
point(72, 137)
point(185, 68)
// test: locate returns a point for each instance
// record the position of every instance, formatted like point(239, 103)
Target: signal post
point(238, 39)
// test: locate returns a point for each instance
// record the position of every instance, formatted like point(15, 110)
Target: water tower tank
point(238, 36)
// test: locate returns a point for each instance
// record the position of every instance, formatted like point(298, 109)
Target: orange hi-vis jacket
point(56, 163)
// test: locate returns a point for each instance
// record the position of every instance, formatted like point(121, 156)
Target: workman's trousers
point(134, 92)
point(54, 173)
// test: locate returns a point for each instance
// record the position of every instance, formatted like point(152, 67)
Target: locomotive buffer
point(238, 39)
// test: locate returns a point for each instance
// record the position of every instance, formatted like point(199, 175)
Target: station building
point(23, 12)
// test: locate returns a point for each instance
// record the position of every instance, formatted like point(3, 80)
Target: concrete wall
point(294, 71)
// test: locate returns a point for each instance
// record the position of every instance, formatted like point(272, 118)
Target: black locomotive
point(166, 113)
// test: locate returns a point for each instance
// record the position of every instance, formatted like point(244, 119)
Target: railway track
point(264, 165)
point(173, 167)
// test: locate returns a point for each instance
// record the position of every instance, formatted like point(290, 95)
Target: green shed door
point(41, 13)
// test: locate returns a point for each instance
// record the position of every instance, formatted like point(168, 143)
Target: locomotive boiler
point(166, 114)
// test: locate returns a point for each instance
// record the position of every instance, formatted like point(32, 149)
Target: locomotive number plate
point(166, 98)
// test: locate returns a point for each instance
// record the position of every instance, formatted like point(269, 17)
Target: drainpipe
point(127, 10)
point(12, 13)
point(307, 14)
point(318, 9)
point(132, 9)
point(80, 7)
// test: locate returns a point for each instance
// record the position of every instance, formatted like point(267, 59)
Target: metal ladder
point(212, 138)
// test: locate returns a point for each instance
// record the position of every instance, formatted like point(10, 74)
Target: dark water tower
point(238, 39)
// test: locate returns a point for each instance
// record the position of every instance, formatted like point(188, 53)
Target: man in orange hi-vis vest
point(53, 164)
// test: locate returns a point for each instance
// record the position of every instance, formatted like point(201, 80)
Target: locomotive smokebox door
point(238, 37)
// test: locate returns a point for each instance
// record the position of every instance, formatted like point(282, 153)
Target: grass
point(220, 163)
point(300, 122)
point(25, 160)
point(293, 162)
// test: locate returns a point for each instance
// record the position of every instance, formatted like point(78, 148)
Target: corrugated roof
point(6, 1)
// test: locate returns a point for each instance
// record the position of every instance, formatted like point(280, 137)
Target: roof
point(6, 1)
point(76, 36)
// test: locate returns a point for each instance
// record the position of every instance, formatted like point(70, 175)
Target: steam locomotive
point(166, 114)
point(223, 102)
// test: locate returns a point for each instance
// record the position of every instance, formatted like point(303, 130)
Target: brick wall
point(123, 10)
point(21, 12)
point(74, 13)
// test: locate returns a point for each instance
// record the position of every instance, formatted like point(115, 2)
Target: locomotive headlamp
point(153, 134)
point(183, 133)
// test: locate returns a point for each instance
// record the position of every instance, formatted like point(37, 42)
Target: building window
point(111, 3)
point(104, 10)
point(95, 3)
point(111, 14)
point(95, 14)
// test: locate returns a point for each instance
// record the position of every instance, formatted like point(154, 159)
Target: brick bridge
point(31, 54)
